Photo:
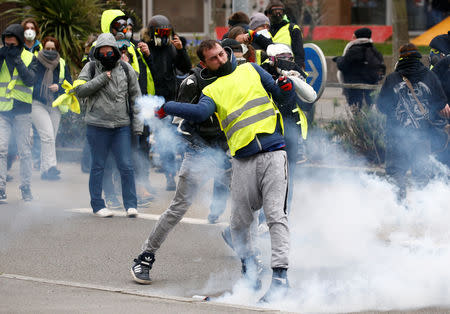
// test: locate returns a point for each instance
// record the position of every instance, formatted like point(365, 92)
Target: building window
point(186, 17)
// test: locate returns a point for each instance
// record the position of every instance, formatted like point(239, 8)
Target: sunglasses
point(106, 54)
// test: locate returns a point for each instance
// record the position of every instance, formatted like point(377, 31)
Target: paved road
point(57, 257)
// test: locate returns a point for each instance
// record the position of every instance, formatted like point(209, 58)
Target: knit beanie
point(258, 20)
point(363, 33)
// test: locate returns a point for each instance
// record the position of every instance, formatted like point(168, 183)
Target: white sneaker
point(132, 212)
point(104, 213)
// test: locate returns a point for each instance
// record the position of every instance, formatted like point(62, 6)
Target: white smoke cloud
point(354, 247)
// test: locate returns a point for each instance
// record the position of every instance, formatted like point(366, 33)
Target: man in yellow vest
point(241, 97)
point(285, 32)
point(17, 75)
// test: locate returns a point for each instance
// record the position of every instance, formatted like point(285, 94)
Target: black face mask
point(12, 51)
point(224, 69)
point(276, 18)
point(108, 62)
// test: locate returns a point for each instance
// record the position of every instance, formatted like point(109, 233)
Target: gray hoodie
point(107, 98)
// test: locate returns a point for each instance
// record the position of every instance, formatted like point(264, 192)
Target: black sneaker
point(252, 269)
point(212, 219)
point(141, 268)
point(50, 176)
point(53, 170)
point(26, 193)
point(278, 288)
point(2, 195)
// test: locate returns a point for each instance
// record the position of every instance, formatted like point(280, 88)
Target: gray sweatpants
point(260, 181)
point(46, 121)
point(195, 170)
point(20, 124)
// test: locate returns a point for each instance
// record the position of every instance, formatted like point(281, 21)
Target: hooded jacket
point(396, 101)
point(107, 98)
point(26, 74)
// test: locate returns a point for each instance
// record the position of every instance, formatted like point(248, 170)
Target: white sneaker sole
point(143, 282)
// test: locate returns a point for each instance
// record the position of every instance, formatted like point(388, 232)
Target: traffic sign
point(316, 67)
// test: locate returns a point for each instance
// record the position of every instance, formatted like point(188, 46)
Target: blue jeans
point(118, 141)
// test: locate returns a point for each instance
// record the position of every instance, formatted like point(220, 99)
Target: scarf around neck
point(50, 63)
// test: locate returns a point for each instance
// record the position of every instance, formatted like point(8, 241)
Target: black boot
point(278, 288)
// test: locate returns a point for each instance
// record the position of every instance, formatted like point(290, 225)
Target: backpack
point(373, 69)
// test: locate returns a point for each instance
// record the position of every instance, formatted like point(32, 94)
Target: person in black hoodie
point(407, 121)
point(18, 67)
point(164, 52)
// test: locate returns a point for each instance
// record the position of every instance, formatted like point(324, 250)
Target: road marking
point(123, 213)
point(130, 292)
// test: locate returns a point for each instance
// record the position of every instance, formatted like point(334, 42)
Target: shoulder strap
point(91, 69)
point(408, 83)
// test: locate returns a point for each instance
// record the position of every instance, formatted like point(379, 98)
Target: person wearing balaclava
point(439, 48)
point(31, 34)
point(360, 62)
point(18, 67)
point(110, 89)
point(284, 32)
point(408, 122)
point(440, 65)
point(165, 53)
point(51, 72)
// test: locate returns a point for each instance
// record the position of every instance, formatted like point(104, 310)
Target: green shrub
point(361, 133)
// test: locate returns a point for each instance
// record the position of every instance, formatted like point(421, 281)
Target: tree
point(70, 21)
point(400, 27)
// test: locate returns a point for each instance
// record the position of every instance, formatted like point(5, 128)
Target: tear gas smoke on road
point(354, 247)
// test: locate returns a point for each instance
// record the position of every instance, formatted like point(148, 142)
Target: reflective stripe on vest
point(258, 56)
point(150, 82)
point(283, 36)
point(62, 70)
point(243, 106)
point(12, 87)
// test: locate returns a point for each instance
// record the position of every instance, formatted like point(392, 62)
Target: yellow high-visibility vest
point(243, 106)
point(283, 36)
point(12, 87)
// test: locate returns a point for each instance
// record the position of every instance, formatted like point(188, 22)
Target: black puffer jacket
point(352, 63)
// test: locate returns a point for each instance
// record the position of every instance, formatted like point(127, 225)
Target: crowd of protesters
point(240, 113)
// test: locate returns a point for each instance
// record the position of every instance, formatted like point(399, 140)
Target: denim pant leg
point(5, 134)
point(108, 179)
point(100, 142)
point(121, 148)
point(22, 128)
